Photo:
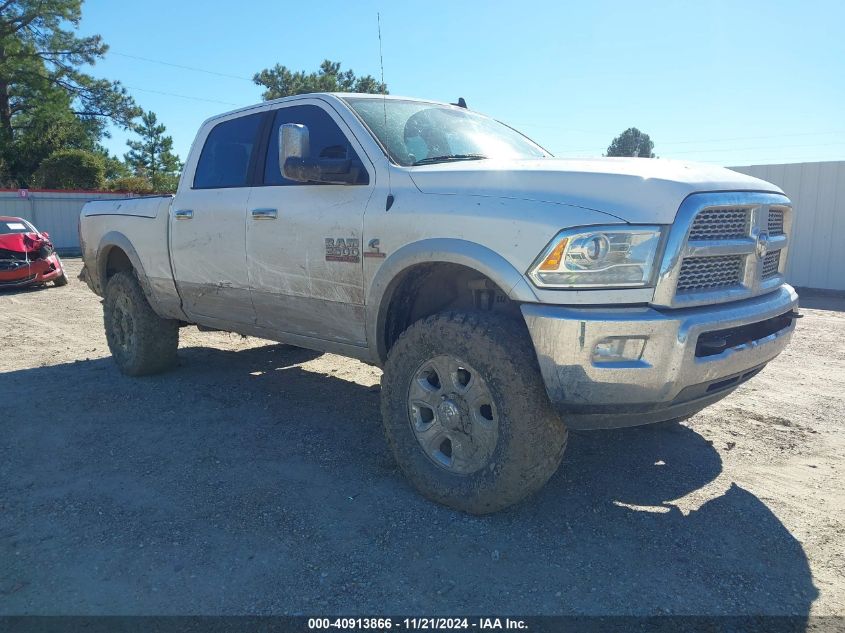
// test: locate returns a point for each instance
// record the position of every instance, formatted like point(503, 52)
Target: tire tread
point(523, 406)
point(157, 339)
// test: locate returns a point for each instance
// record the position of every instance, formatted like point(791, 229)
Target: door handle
point(264, 214)
point(184, 214)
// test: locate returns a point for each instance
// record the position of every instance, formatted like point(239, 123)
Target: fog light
point(617, 349)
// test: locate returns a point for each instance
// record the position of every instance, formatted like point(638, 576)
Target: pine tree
point(152, 157)
point(280, 81)
point(47, 102)
point(632, 142)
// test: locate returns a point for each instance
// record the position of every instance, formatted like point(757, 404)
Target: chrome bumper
point(668, 380)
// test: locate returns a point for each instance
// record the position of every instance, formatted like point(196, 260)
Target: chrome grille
point(771, 263)
point(775, 224)
point(720, 224)
point(712, 251)
point(708, 273)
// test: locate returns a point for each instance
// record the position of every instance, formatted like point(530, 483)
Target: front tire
point(466, 413)
point(140, 341)
point(61, 280)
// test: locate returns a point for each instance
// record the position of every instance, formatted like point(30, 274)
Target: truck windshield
point(422, 133)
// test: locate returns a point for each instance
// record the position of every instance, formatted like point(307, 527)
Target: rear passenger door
point(304, 239)
point(208, 225)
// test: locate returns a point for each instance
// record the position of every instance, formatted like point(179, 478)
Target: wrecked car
point(27, 256)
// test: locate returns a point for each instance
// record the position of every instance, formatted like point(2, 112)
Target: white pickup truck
point(508, 295)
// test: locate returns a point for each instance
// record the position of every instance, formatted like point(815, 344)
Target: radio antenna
point(384, 108)
point(380, 55)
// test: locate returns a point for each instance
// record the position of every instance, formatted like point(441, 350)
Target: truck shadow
point(242, 482)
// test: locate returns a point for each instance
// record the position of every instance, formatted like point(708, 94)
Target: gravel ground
point(254, 478)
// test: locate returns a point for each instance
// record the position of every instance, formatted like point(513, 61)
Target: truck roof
point(339, 96)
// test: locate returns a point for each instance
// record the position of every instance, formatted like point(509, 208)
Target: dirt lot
point(254, 478)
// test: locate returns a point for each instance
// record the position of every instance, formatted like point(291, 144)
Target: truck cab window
point(224, 161)
point(326, 139)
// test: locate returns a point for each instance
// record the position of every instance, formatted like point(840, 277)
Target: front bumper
point(670, 379)
point(37, 271)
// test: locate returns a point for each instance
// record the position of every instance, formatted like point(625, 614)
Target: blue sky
point(732, 83)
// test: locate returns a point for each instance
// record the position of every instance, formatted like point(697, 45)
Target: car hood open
point(636, 190)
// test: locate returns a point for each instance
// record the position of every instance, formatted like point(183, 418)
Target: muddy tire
point(140, 341)
point(61, 280)
point(466, 413)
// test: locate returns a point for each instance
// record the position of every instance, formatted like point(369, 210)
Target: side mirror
point(45, 234)
point(296, 164)
point(294, 142)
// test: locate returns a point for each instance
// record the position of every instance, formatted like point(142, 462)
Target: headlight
point(598, 256)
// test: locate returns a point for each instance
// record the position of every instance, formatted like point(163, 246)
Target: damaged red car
point(27, 256)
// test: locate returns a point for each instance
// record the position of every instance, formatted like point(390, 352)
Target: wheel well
point(427, 289)
point(116, 261)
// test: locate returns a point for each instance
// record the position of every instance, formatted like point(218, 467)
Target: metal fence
point(56, 212)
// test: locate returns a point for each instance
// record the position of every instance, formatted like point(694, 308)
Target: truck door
point(208, 225)
point(303, 240)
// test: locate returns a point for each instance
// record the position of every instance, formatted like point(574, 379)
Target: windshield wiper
point(448, 157)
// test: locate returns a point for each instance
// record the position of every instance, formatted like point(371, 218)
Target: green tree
point(130, 184)
point(632, 142)
point(46, 101)
point(42, 131)
point(115, 168)
point(280, 81)
point(152, 157)
point(71, 169)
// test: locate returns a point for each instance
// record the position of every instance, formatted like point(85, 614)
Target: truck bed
point(142, 206)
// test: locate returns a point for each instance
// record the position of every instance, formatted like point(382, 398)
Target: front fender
point(437, 250)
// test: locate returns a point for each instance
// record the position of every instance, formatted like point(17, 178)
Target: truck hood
point(636, 190)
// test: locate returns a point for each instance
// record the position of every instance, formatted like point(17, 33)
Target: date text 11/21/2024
point(422, 623)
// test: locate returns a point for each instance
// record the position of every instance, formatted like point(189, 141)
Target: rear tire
point(490, 436)
point(140, 341)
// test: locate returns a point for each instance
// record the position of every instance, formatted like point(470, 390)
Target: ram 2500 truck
point(507, 295)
